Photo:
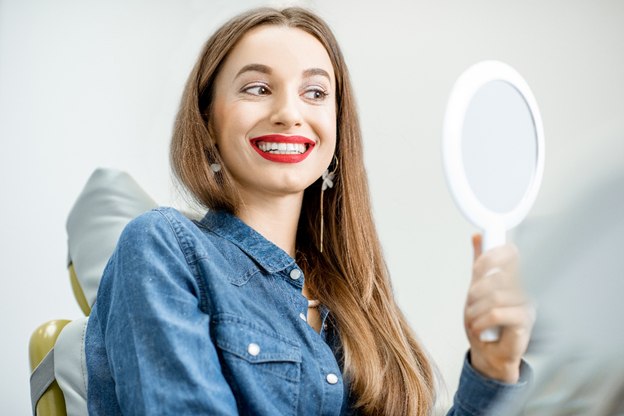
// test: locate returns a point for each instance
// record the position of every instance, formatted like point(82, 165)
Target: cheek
point(216, 121)
point(329, 128)
point(226, 122)
point(238, 118)
point(321, 118)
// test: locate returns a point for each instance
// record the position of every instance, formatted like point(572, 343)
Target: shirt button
point(295, 274)
point(302, 316)
point(253, 349)
point(332, 378)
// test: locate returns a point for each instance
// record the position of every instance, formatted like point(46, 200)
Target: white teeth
point(282, 148)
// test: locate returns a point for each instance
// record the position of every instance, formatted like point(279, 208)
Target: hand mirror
point(493, 151)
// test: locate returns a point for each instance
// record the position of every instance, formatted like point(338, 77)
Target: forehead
point(279, 47)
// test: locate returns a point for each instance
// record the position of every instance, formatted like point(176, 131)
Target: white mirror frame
point(494, 224)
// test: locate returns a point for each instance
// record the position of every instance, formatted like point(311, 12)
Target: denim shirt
point(209, 318)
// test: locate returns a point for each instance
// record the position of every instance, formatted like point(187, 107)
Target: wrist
point(505, 371)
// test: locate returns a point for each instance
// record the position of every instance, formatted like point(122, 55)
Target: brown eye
point(257, 90)
point(315, 94)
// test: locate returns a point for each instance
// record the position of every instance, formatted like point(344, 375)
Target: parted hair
point(387, 369)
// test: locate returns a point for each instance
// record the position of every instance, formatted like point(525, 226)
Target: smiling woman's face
point(274, 111)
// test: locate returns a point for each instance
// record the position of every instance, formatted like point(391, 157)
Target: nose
point(285, 112)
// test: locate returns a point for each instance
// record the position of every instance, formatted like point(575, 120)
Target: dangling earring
point(215, 167)
point(328, 182)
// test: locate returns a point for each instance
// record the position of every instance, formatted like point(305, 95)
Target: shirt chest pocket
point(263, 368)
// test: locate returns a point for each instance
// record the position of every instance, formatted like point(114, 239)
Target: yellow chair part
point(78, 293)
point(52, 403)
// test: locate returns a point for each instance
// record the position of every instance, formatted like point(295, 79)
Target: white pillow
point(109, 200)
point(70, 366)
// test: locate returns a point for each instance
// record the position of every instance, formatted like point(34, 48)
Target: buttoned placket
point(332, 384)
point(321, 367)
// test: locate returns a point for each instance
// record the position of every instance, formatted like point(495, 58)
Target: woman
point(278, 301)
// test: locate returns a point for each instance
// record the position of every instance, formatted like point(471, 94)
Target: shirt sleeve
point(478, 395)
point(155, 327)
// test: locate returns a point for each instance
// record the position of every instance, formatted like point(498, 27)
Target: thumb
point(477, 245)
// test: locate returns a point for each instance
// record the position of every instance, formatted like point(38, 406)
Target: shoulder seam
point(187, 250)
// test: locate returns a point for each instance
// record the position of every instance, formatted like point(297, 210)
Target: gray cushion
point(109, 200)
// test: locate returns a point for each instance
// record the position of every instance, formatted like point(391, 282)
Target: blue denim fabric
point(208, 318)
point(478, 395)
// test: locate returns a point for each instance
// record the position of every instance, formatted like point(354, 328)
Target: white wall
point(87, 84)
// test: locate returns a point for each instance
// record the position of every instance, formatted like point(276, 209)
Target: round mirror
point(499, 146)
point(493, 150)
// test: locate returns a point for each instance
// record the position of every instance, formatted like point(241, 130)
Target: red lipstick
point(282, 149)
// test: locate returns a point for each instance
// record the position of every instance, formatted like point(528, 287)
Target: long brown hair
point(388, 371)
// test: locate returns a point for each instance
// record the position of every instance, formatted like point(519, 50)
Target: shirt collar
point(268, 255)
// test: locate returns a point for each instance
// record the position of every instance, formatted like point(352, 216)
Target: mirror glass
point(499, 146)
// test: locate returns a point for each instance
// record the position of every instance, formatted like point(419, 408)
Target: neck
point(275, 218)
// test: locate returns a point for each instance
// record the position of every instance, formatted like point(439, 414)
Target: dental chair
point(58, 382)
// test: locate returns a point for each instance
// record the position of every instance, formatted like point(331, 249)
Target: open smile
point(283, 149)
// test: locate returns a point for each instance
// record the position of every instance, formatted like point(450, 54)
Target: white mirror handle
point(493, 236)
point(490, 335)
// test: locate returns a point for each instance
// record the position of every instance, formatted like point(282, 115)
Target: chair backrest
point(109, 200)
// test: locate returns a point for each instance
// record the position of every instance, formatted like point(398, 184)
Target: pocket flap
point(253, 343)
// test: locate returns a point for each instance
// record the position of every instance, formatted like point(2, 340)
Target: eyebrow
point(267, 70)
point(254, 67)
point(316, 71)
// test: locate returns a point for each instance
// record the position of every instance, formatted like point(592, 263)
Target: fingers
point(516, 317)
point(492, 285)
point(497, 299)
point(477, 245)
point(495, 296)
point(504, 258)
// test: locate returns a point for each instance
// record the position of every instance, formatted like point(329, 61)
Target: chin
point(278, 181)
point(291, 188)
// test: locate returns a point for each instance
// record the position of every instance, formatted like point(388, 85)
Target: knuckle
point(498, 298)
point(494, 315)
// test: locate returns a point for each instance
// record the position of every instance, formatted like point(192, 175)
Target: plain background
point(86, 84)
